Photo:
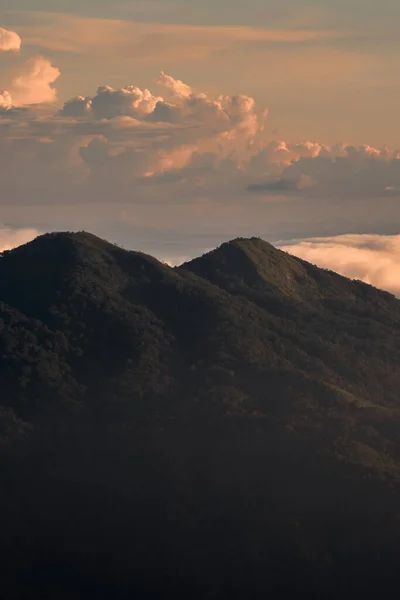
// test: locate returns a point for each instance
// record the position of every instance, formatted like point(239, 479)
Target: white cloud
point(374, 259)
point(11, 238)
point(9, 41)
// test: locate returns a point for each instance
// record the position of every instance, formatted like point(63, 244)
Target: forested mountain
point(229, 428)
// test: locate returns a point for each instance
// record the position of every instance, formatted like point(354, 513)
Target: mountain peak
point(252, 263)
point(61, 241)
point(255, 268)
point(172, 401)
point(37, 273)
point(64, 249)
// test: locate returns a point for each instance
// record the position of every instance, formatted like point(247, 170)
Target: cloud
point(6, 100)
point(175, 86)
point(77, 107)
point(108, 103)
point(339, 171)
point(374, 259)
point(188, 159)
point(283, 186)
point(33, 86)
point(120, 142)
point(184, 157)
point(9, 41)
point(151, 41)
point(10, 238)
point(136, 135)
point(229, 115)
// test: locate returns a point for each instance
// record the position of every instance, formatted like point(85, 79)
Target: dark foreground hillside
point(226, 429)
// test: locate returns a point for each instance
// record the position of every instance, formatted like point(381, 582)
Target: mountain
point(228, 427)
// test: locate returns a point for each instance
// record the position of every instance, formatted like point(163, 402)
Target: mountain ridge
point(244, 400)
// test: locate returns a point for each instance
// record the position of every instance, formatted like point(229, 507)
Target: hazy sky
point(273, 118)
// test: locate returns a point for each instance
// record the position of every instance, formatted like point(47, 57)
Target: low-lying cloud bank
point(374, 259)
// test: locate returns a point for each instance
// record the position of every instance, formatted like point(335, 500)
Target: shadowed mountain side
point(255, 267)
point(228, 426)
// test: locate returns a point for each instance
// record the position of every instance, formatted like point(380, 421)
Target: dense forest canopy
point(228, 427)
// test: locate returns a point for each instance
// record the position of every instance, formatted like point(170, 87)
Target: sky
point(170, 126)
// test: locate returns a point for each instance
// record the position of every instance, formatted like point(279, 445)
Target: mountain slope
point(339, 327)
point(237, 413)
point(253, 265)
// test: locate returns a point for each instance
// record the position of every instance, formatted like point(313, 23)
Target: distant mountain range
point(228, 428)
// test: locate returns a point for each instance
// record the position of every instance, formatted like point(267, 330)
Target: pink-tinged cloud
point(191, 122)
point(374, 259)
point(175, 86)
point(9, 41)
point(227, 115)
point(34, 85)
point(195, 155)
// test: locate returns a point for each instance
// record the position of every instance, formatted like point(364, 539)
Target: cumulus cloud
point(130, 101)
point(341, 170)
point(194, 158)
point(168, 133)
point(34, 85)
point(77, 107)
point(228, 115)
point(11, 238)
point(121, 141)
point(109, 103)
point(9, 41)
point(175, 86)
point(374, 259)
point(194, 155)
